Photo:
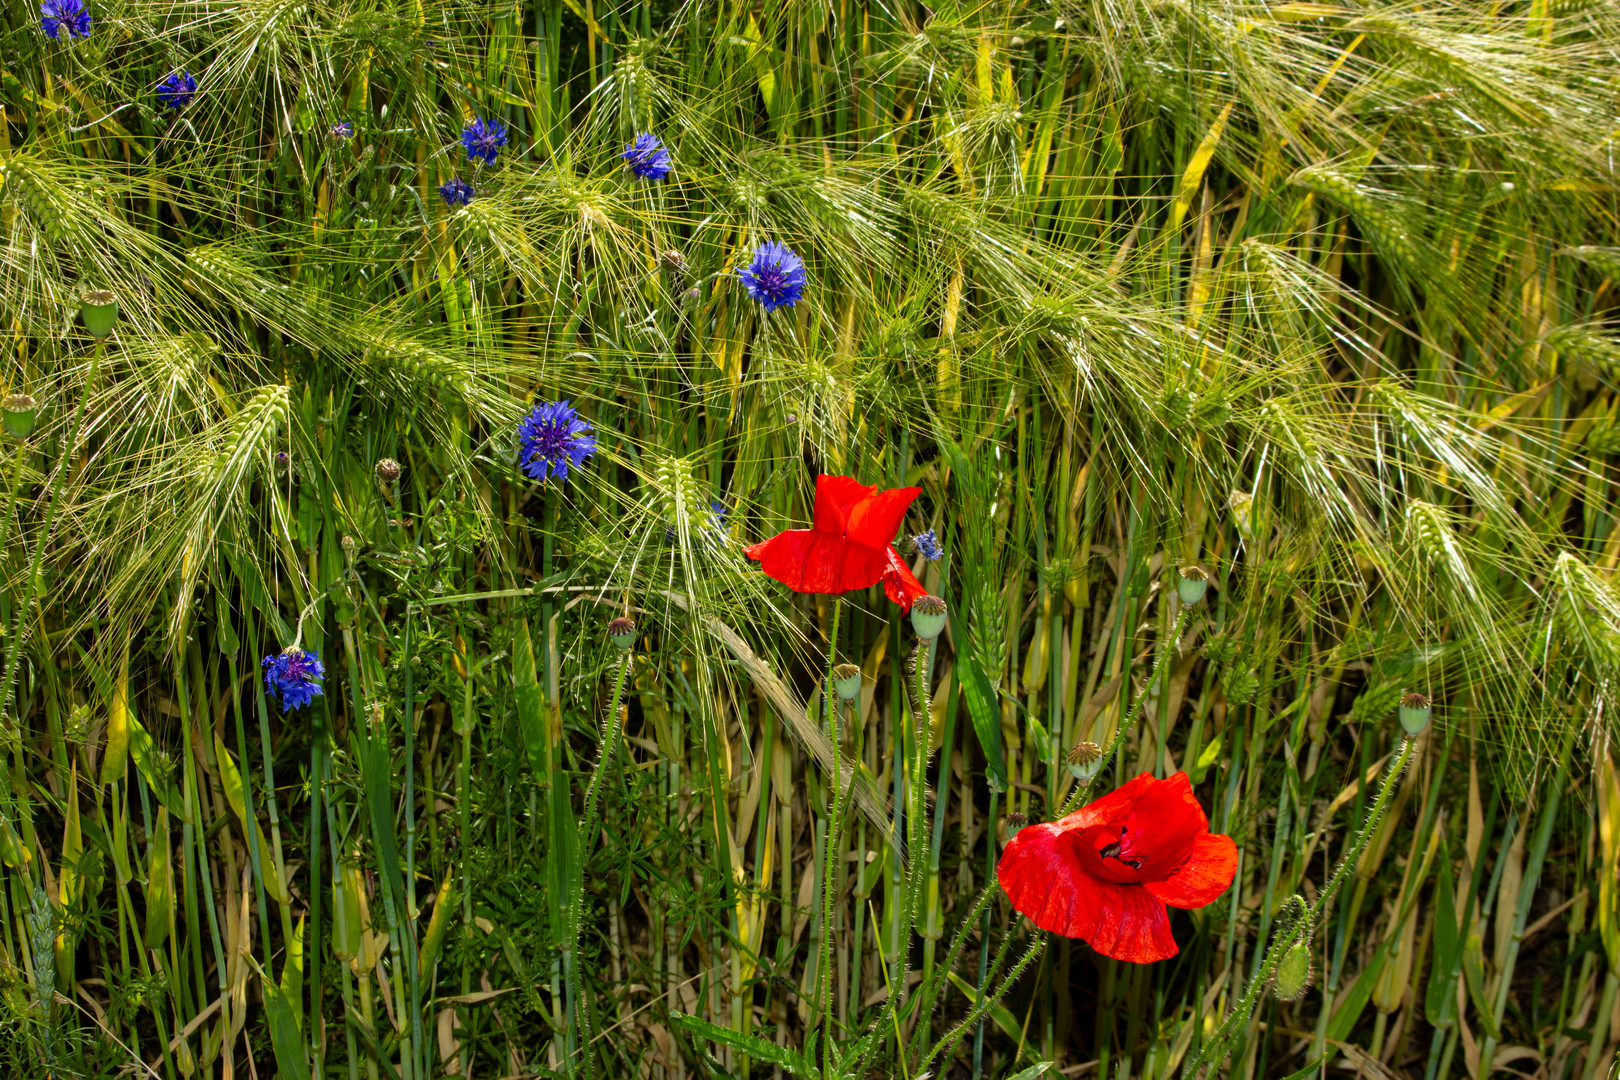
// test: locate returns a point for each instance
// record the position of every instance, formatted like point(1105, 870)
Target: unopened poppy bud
point(1015, 821)
point(1085, 759)
point(387, 470)
point(622, 632)
point(846, 680)
point(1191, 584)
point(20, 411)
point(1293, 972)
point(99, 310)
point(928, 617)
point(1414, 711)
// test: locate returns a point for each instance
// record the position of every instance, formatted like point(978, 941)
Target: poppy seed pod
point(1414, 712)
point(846, 680)
point(622, 631)
point(99, 310)
point(1293, 972)
point(1085, 759)
point(20, 412)
point(1192, 582)
point(388, 470)
point(1015, 821)
point(928, 617)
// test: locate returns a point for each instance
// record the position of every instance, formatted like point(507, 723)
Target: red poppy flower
point(1105, 873)
point(848, 545)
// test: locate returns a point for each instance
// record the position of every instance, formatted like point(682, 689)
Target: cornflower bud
point(387, 470)
point(1414, 712)
point(846, 680)
point(674, 261)
point(928, 617)
point(350, 547)
point(622, 632)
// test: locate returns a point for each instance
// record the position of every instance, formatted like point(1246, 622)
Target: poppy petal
point(835, 496)
point(1041, 874)
point(809, 561)
point(1206, 874)
point(1115, 804)
point(874, 520)
point(899, 583)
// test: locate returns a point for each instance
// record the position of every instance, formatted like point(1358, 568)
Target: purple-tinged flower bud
point(20, 412)
point(1414, 712)
point(1192, 582)
point(674, 261)
point(846, 680)
point(928, 617)
point(387, 470)
point(622, 632)
point(99, 310)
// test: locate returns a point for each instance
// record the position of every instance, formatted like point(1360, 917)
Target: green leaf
point(1208, 757)
point(1040, 1068)
point(1005, 1020)
point(1473, 960)
point(235, 794)
point(1345, 1017)
point(982, 706)
point(285, 1037)
point(752, 1045)
point(1441, 996)
point(144, 752)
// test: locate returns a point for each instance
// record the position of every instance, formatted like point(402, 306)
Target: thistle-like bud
point(622, 632)
point(691, 296)
point(846, 680)
point(928, 617)
point(674, 261)
point(387, 470)
point(1085, 759)
point(1293, 972)
point(20, 412)
point(350, 547)
point(99, 310)
point(1192, 582)
point(1414, 712)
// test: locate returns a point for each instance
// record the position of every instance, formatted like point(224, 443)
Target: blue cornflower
point(926, 544)
point(341, 130)
point(58, 14)
point(647, 157)
point(715, 531)
point(456, 191)
point(176, 90)
point(776, 276)
point(291, 674)
point(551, 438)
point(483, 139)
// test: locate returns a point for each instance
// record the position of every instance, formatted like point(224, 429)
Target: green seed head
point(622, 631)
point(1085, 759)
point(1293, 972)
point(20, 412)
point(99, 310)
point(846, 679)
point(928, 617)
point(1192, 582)
point(1015, 821)
point(1415, 711)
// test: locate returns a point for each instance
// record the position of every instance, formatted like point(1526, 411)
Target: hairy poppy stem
point(829, 868)
point(610, 749)
point(1081, 790)
point(982, 1009)
point(1215, 1050)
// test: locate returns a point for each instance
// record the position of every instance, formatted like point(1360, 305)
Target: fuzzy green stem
point(1215, 1049)
point(829, 867)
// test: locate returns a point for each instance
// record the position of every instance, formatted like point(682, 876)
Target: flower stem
point(1215, 1049)
point(829, 868)
point(30, 583)
point(1081, 790)
point(610, 748)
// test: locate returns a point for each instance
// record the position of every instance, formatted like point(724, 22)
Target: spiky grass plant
point(1315, 298)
